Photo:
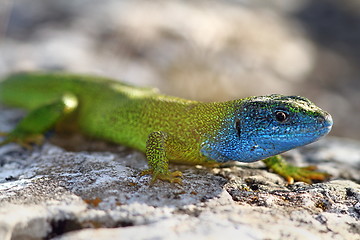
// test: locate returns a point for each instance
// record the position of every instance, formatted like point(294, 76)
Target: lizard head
point(276, 123)
point(264, 126)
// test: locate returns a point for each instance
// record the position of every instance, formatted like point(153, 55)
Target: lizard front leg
point(31, 128)
point(156, 152)
point(291, 173)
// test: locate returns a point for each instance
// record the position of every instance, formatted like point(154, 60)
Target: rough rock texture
point(96, 192)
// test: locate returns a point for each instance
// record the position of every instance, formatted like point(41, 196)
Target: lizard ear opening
point(237, 127)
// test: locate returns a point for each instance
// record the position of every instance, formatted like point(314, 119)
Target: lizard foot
point(292, 173)
point(172, 177)
point(303, 174)
point(25, 141)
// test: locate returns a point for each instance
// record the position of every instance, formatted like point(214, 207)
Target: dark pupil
point(281, 116)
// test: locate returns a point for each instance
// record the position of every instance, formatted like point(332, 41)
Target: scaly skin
point(167, 129)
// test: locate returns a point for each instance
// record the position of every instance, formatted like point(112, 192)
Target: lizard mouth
point(325, 129)
point(318, 132)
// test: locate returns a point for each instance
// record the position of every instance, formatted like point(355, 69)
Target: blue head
point(265, 126)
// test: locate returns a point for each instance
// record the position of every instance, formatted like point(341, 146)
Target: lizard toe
point(176, 174)
point(307, 174)
point(172, 177)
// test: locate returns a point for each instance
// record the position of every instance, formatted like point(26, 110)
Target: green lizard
point(167, 129)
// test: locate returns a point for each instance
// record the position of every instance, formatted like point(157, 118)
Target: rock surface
point(52, 193)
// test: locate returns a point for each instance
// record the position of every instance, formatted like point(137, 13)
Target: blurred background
point(202, 50)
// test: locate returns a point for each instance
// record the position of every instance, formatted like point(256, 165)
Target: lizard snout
point(325, 119)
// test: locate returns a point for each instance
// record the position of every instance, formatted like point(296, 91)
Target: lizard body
point(167, 129)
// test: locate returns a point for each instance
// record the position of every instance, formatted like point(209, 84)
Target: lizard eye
point(281, 116)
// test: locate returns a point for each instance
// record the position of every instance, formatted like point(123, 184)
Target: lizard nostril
point(321, 119)
point(325, 119)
